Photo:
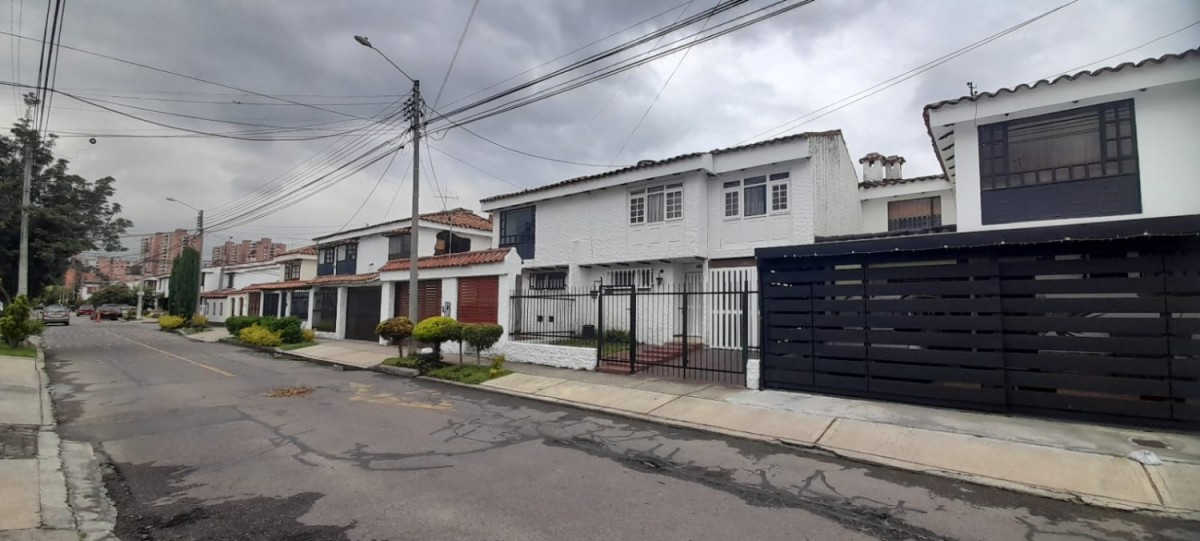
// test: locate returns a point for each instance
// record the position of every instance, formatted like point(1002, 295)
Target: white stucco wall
point(739, 236)
point(835, 207)
point(875, 209)
point(1166, 111)
point(557, 356)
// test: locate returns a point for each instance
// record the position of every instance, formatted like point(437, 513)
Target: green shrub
point(198, 321)
point(170, 323)
point(290, 328)
point(395, 330)
point(497, 369)
point(235, 324)
point(308, 335)
point(434, 331)
point(465, 373)
point(616, 335)
point(15, 325)
point(260, 336)
point(481, 336)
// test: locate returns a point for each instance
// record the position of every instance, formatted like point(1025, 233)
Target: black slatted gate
point(1107, 328)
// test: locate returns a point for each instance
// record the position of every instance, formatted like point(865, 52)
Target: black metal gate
point(1099, 320)
point(651, 331)
point(362, 312)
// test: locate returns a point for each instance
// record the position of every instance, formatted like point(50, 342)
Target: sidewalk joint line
point(826, 431)
point(677, 397)
point(1157, 493)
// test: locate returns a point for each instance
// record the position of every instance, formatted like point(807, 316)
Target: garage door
point(429, 299)
point(478, 299)
point(362, 312)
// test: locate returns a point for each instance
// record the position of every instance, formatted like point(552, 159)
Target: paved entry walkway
point(1060, 459)
point(354, 353)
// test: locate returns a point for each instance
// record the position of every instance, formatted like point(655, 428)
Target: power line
point(190, 77)
point(373, 188)
point(1159, 38)
point(475, 167)
point(403, 178)
point(461, 38)
point(656, 97)
point(60, 14)
point(897, 79)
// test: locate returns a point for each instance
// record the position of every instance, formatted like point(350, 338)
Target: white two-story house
point(895, 204)
point(674, 221)
point(1109, 144)
point(362, 276)
point(224, 292)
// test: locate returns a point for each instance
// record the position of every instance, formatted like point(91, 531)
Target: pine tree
point(184, 285)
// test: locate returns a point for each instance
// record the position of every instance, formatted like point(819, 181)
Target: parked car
point(85, 310)
point(110, 311)
point(56, 313)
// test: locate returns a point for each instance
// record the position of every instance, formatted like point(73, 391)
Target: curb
point(397, 371)
point(864, 458)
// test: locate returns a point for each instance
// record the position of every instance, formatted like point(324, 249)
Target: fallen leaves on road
point(287, 392)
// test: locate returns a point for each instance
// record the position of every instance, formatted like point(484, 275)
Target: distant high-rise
point(160, 250)
point(233, 253)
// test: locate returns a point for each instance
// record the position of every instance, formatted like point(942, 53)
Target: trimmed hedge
point(290, 329)
point(260, 336)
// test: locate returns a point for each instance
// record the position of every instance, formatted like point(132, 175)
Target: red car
point(85, 310)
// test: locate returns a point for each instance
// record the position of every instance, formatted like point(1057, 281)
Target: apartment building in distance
point(237, 253)
point(159, 250)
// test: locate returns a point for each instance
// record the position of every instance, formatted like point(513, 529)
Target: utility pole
point(26, 184)
point(415, 117)
point(199, 258)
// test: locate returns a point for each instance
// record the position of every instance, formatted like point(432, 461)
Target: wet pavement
point(198, 451)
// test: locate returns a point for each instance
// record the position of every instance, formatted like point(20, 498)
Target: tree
point(15, 325)
point(482, 336)
point(69, 214)
point(114, 294)
point(185, 285)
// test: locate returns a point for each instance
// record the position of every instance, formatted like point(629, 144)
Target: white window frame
point(641, 278)
point(640, 211)
point(736, 189)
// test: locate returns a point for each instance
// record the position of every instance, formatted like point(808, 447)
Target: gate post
point(599, 325)
point(632, 329)
point(745, 324)
point(686, 345)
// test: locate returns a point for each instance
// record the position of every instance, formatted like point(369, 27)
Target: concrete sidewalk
point(40, 473)
point(1059, 459)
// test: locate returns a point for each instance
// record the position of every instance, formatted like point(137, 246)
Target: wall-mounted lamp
point(658, 280)
point(596, 288)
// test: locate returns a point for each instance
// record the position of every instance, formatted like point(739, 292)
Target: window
point(291, 270)
point(449, 243)
point(1080, 144)
point(399, 246)
point(922, 213)
point(754, 190)
point(748, 197)
point(229, 281)
point(347, 258)
point(638, 278)
point(325, 310)
point(299, 307)
point(326, 265)
point(656, 204)
point(548, 280)
point(517, 230)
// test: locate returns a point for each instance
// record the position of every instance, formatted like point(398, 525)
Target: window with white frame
point(638, 278)
point(656, 204)
point(757, 195)
point(548, 280)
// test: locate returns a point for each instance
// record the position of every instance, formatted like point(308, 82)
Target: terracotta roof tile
point(459, 217)
point(311, 249)
point(276, 286)
point(645, 164)
point(894, 181)
point(464, 259)
point(341, 279)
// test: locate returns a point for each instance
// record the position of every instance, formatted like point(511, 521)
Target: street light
point(413, 313)
point(200, 234)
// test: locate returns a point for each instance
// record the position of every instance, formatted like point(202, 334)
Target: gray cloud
point(725, 91)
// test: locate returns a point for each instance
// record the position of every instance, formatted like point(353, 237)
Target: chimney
point(872, 166)
point(891, 166)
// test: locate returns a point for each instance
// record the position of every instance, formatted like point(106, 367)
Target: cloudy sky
point(724, 92)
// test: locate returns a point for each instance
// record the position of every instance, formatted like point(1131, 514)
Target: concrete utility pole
point(199, 258)
point(415, 117)
point(23, 263)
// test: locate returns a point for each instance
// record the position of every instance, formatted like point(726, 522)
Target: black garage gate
point(1094, 320)
point(362, 312)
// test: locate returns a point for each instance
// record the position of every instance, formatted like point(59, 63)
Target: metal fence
point(676, 331)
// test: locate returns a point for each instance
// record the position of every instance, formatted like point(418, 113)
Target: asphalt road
point(199, 452)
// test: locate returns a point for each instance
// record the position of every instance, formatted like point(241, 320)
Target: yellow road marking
point(169, 354)
point(362, 393)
